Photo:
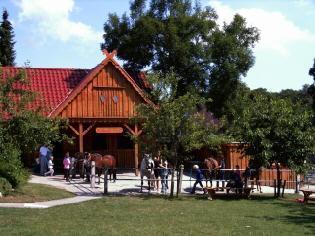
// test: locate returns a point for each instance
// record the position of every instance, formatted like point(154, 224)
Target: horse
point(102, 162)
point(210, 169)
point(147, 170)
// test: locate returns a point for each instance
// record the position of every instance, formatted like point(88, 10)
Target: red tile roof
point(53, 85)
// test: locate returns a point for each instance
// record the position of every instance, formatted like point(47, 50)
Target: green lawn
point(36, 193)
point(159, 216)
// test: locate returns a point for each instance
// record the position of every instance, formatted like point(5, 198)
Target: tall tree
point(176, 127)
point(7, 53)
point(311, 89)
point(276, 131)
point(175, 35)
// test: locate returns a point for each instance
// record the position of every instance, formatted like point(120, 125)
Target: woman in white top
point(50, 167)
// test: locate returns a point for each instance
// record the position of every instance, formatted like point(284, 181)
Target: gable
point(107, 92)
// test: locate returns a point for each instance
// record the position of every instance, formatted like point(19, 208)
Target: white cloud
point(51, 18)
point(276, 31)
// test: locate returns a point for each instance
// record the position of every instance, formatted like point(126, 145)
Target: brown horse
point(210, 170)
point(102, 162)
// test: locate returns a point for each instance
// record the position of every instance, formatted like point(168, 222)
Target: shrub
point(5, 186)
point(11, 167)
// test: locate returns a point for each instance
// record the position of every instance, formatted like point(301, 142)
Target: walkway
point(126, 184)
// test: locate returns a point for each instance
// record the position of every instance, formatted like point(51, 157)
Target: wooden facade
point(234, 156)
point(99, 111)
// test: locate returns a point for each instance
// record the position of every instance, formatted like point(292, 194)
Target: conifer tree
point(7, 52)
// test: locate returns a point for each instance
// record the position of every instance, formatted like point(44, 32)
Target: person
point(222, 167)
point(238, 180)
point(66, 166)
point(157, 163)
point(43, 159)
point(246, 176)
point(72, 167)
point(164, 173)
point(87, 166)
point(50, 167)
point(198, 179)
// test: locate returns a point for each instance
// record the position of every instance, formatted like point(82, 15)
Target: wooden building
point(98, 103)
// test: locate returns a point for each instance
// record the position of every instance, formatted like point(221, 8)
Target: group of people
point(46, 165)
point(69, 166)
point(161, 172)
point(45, 161)
point(236, 179)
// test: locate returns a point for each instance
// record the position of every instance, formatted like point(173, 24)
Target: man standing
point(43, 159)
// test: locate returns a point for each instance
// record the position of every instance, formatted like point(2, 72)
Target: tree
point(175, 126)
point(276, 131)
point(22, 130)
point(177, 36)
point(7, 53)
point(311, 89)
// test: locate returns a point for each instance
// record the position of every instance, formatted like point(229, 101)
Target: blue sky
point(67, 33)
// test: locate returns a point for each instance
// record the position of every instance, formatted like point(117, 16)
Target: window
point(115, 99)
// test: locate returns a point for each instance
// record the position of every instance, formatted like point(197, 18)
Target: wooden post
point(180, 180)
point(297, 182)
point(172, 184)
point(136, 152)
point(275, 187)
point(93, 174)
point(81, 137)
point(105, 181)
point(136, 159)
point(283, 187)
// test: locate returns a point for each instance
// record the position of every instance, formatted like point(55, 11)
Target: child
point(198, 179)
point(50, 167)
point(66, 166)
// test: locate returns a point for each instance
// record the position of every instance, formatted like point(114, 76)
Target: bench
point(307, 193)
point(211, 191)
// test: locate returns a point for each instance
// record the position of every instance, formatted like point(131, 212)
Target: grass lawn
point(36, 193)
point(116, 215)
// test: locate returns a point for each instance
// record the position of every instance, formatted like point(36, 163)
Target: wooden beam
point(88, 129)
point(81, 137)
point(74, 130)
point(130, 130)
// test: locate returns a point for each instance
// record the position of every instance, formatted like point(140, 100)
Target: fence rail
point(178, 179)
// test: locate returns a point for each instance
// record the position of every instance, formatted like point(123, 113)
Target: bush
point(11, 167)
point(5, 186)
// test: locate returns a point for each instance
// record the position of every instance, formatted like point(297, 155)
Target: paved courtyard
point(126, 183)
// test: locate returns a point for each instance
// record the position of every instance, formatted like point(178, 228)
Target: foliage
point(177, 36)
point(29, 130)
point(176, 126)
point(311, 89)
point(11, 167)
point(7, 53)
point(22, 130)
point(277, 131)
point(5, 186)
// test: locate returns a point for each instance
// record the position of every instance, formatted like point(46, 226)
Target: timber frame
point(103, 102)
